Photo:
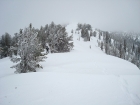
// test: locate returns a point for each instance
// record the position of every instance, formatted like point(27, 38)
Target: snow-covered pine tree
point(114, 49)
point(63, 41)
point(106, 42)
point(99, 35)
point(102, 46)
point(29, 51)
point(90, 33)
point(14, 44)
point(82, 33)
point(56, 37)
point(85, 28)
point(43, 34)
point(124, 48)
point(120, 50)
point(5, 44)
point(1, 50)
point(94, 33)
point(86, 36)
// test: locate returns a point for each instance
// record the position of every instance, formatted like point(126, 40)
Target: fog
point(108, 15)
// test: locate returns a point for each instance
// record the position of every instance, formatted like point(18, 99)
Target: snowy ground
point(82, 77)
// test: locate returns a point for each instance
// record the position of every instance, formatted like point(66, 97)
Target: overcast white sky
point(109, 15)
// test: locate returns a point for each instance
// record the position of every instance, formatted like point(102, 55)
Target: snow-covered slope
point(84, 76)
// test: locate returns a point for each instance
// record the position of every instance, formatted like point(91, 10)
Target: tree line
point(125, 45)
point(26, 47)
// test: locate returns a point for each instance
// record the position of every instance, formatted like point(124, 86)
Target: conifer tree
point(120, 50)
point(94, 33)
point(29, 51)
point(82, 33)
point(99, 35)
point(106, 42)
point(5, 44)
point(133, 48)
point(101, 45)
point(90, 33)
point(124, 46)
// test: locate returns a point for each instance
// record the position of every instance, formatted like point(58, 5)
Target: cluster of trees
point(28, 50)
point(122, 45)
point(125, 45)
point(56, 37)
point(86, 31)
point(5, 43)
point(26, 46)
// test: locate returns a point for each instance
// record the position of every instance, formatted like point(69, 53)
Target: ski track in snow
point(135, 100)
point(84, 76)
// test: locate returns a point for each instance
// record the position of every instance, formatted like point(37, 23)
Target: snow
point(83, 76)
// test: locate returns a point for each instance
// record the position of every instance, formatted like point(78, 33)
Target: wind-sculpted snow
point(84, 76)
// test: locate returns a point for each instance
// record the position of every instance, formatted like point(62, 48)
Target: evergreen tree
point(114, 49)
point(90, 33)
point(94, 33)
point(138, 53)
point(5, 44)
point(14, 44)
point(82, 33)
point(29, 51)
point(99, 35)
point(101, 45)
point(79, 26)
point(86, 35)
point(106, 42)
point(58, 39)
point(125, 46)
point(120, 50)
point(133, 48)
point(42, 34)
